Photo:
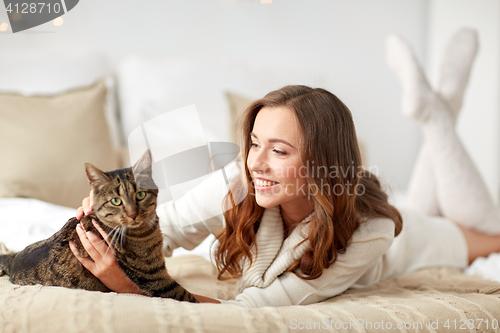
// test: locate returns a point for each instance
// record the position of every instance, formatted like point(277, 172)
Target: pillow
point(62, 70)
point(237, 104)
point(172, 83)
point(46, 140)
point(175, 82)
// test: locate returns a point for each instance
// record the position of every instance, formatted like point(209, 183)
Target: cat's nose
point(132, 215)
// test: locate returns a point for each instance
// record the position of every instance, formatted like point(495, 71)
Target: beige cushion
point(46, 140)
point(237, 104)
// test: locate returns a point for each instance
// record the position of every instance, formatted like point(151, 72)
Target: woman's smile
point(274, 160)
point(263, 185)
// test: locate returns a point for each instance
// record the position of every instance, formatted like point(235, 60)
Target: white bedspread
point(488, 268)
point(24, 221)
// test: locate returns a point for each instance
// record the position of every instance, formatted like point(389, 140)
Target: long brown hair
point(329, 144)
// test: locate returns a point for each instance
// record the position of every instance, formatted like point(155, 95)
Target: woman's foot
point(456, 66)
point(417, 94)
point(419, 100)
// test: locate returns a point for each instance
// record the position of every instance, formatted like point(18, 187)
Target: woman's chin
point(266, 203)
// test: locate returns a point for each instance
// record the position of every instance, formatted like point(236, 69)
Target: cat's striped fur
point(134, 234)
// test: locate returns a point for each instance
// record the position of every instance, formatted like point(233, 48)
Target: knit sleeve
point(187, 221)
point(362, 257)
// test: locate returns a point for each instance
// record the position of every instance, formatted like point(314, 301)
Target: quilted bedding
point(437, 299)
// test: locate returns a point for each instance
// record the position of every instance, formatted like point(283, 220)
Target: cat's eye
point(141, 195)
point(116, 201)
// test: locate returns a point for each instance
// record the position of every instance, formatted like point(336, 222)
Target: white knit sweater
point(189, 220)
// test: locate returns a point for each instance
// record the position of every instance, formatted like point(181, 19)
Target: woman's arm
point(187, 221)
point(104, 265)
point(203, 299)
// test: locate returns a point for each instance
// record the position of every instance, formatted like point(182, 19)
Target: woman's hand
point(104, 265)
point(87, 206)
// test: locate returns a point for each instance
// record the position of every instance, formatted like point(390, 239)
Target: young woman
point(314, 222)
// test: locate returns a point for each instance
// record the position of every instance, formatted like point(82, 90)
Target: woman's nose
point(258, 162)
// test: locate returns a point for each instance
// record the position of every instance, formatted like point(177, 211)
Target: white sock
point(456, 66)
point(404, 64)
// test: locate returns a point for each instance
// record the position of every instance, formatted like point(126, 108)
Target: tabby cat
point(124, 207)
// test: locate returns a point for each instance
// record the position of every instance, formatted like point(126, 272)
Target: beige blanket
point(430, 300)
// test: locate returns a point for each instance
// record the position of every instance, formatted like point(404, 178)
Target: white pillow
point(171, 84)
point(178, 82)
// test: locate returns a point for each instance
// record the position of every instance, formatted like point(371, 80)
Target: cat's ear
point(144, 165)
point(95, 176)
point(143, 172)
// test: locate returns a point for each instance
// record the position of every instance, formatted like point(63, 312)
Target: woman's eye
point(279, 152)
point(141, 195)
point(116, 201)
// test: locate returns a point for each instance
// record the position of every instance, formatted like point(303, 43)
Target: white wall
point(342, 40)
point(479, 121)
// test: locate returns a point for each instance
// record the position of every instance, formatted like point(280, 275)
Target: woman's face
point(274, 160)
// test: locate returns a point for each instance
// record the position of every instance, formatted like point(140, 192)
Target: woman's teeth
point(259, 182)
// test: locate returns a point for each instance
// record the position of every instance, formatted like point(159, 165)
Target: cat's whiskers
point(151, 221)
point(115, 232)
point(110, 234)
point(123, 229)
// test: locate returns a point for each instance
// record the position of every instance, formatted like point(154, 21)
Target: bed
point(437, 299)
point(429, 300)
point(33, 205)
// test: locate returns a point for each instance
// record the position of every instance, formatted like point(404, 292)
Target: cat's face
point(125, 197)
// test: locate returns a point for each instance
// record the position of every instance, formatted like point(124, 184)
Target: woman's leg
point(461, 192)
point(456, 65)
point(479, 244)
point(421, 194)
